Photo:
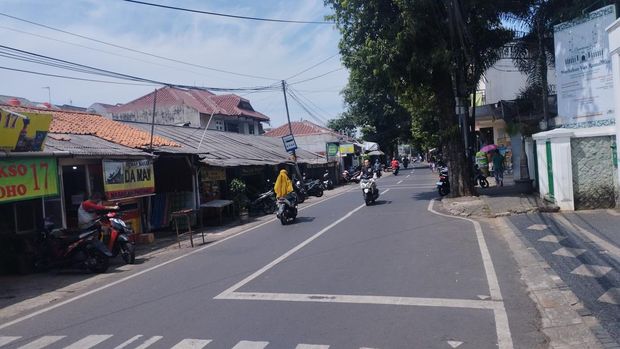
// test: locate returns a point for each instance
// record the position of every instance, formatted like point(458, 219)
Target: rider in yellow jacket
point(283, 185)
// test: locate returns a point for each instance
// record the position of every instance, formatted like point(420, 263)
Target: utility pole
point(290, 129)
point(153, 118)
point(49, 94)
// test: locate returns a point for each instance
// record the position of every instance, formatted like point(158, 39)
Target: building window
point(251, 129)
point(219, 125)
point(232, 127)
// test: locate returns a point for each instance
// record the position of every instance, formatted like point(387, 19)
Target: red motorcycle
point(118, 237)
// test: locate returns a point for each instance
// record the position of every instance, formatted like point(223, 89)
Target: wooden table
point(219, 205)
point(187, 213)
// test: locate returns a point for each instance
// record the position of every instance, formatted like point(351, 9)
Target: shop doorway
point(75, 191)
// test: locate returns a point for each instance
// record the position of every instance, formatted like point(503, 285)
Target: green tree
point(402, 47)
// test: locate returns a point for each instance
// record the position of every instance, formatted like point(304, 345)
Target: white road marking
point(89, 341)
point(613, 212)
point(408, 175)
point(483, 297)
point(552, 238)
point(355, 299)
point(591, 270)
point(504, 337)
point(399, 182)
point(250, 345)
point(612, 296)
point(129, 341)
point(455, 344)
point(311, 346)
point(569, 252)
point(538, 227)
point(147, 343)
point(4, 340)
point(262, 270)
point(132, 276)
point(42, 342)
point(192, 344)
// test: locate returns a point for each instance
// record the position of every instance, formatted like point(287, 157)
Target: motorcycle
point(327, 182)
point(62, 248)
point(265, 203)
point(300, 191)
point(479, 178)
point(443, 185)
point(369, 189)
point(314, 187)
point(118, 238)
point(395, 169)
point(287, 209)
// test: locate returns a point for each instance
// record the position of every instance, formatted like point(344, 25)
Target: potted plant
point(238, 188)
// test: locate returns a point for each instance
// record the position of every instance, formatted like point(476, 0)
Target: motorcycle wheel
point(484, 183)
point(283, 219)
point(443, 191)
point(301, 198)
point(319, 193)
point(128, 252)
point(101, 262)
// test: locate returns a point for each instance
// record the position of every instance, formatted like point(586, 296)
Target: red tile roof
point(200, 100)
point(69, 122)
point(300, 128)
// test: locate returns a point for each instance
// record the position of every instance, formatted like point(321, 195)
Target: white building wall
point(614, 48)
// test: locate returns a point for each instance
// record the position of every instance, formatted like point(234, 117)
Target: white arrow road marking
point(483, 297)
point(250, 345)
point(149, 342)
point(552, 238)
point(129, 341)
point(612, 296)
point(42, 342)
point(89, 341)
point(591, 270)
point(455, 344)
point(192, 344)
point(4, 340)
point(311, 346)
point(569, 252)
point(538, 227)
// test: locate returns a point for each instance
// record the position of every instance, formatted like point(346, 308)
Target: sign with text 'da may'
point(126, 179)
point(289, 143)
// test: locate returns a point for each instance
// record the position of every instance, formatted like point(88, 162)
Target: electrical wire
point(305, 108)
point(136, 51)
point(316, 77)
point(311, 67)
point(324, 114)
point(75, 78)
point(31, 57)
point(227, 15)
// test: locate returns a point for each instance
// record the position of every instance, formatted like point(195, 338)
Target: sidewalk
point(497, 201)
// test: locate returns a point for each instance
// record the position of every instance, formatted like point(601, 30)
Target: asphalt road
point(391, 275)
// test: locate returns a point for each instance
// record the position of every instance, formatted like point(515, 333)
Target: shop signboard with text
point(583, 70)
point(24, 179)
point(126, 179)
point(22, 132)
point(347, 148)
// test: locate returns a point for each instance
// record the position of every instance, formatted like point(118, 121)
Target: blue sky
point(272, 50)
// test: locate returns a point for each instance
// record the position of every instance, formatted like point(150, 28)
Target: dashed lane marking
point(552, 238)
point(129, 341)
point(455, 344)
point(89, 341)
point(538, 227)
point(569, 252)
point(591, 270)
point(311, 346)
point(399, 182)
point(42, 342)
point(250, 345)
point(4, 340)
point(147, 343)
point(192, 344)
point(612, 296)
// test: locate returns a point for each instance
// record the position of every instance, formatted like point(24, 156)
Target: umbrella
point(376, 152)
point(489, 147)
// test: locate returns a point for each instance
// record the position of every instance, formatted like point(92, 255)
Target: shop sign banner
point(332, 149)
point(583, 70)
point(23, 179)
point(125, 179)
point(347, 149)
point(23, 131)
point(208, 174)
point(289, 143)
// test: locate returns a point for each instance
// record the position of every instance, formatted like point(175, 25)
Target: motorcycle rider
point(284, 187)
point(87, 212)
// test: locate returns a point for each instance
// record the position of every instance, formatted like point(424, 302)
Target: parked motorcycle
point(314, 187)
point(327, 182)
point(287, 209)
point(443, 185)
point(369, 190)
point(299, 189)
point(118, 239)
point(265, 203)
point(63, 248)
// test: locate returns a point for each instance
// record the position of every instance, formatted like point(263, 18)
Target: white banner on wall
point(583, 70)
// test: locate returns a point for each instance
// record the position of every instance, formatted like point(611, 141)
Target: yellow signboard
point(125, 179)
point(23, 179)
point(23, 131)
point(347, 149)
